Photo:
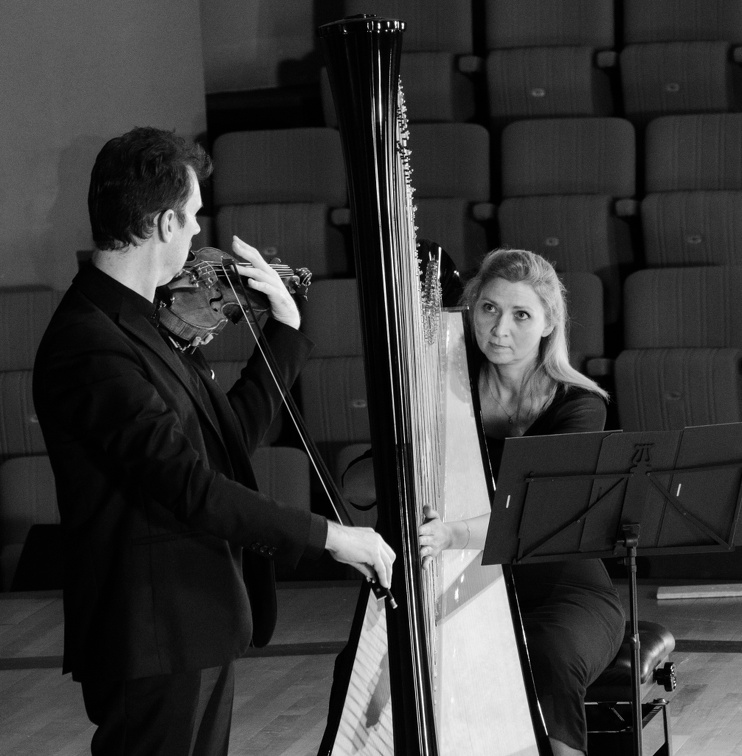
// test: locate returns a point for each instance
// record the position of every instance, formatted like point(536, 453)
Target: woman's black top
point(572, 615)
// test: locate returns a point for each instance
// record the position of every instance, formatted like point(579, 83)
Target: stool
point(608, 699)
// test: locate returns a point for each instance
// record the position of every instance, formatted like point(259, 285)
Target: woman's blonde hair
point(552, 365)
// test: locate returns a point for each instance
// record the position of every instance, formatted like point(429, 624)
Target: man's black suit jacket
point(154, 485)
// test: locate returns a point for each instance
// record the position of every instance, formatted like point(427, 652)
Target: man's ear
point(166, 225)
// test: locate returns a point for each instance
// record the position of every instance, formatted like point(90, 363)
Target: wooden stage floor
point(282, 692)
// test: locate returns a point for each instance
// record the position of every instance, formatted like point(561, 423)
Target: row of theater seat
point(572, 189)
point(680, 366)
point(638, 58)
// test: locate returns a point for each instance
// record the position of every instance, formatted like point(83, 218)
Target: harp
point(442, 673)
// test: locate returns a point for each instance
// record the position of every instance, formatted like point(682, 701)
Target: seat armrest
point(340, 216)
point(483, 211)
point(470, 64)
point(606, 59)
point(599, 367)
point(626, 208)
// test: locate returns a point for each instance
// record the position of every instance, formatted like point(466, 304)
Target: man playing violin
point(152, 465)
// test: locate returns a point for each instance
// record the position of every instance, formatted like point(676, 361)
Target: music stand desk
point(615, 493)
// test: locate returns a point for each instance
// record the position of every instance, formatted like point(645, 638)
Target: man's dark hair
point(135, 177)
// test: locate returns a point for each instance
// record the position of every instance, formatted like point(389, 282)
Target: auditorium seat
point(681, 56)
point(452, 188)
point(332, 386)
point(428, 26)
point(24, 316)
point(529, 23)
point(437, 68)
point(692, 211)
point(20, 432)
point(567, 193)
point(28, 498)
point(549, 59)
point(694, 152)
point(692, 228)
point(276, 189)
point(683, 356)
point(586, 335)
point(283, 473)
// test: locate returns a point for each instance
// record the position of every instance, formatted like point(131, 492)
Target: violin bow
point(323, 473)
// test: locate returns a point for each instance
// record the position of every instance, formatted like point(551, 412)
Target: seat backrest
point(569, 156)
point(530, 82)
point(534, 23)
point(20, 432)
point(283, 473)
point(694, 152)
point(279, 165)
point(29, 518)
point(24, 316)
point(684, 307)
point(585, 308)
point(681, 20)
point(692, 228)
point(450, 160)
point(449, 222)
point(576, 233)
point(27, 497)
point(428, 26)
point(334, 403)
point(671, 389)
point(435, 89)
point(275, 189)
point(333, 384)
point(678, 77)
point(331, 318)
point(299, 233)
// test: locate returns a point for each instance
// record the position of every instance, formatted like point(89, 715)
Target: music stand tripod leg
point(631, 541)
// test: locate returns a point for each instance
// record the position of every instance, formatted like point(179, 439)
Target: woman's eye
point(522, 315)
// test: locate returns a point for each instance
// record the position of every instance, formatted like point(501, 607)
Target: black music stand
point(609, 494)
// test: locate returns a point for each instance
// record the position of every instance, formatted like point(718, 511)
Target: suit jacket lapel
point(149, 336)
point(230, 426)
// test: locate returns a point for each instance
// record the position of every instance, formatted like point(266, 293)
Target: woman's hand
point(265, 279)
point(434, 535)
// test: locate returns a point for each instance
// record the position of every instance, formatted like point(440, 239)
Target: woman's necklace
point(511, 418)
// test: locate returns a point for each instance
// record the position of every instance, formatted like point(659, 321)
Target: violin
point(209, 292)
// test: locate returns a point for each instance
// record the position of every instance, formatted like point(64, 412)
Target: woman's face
point(509, 323)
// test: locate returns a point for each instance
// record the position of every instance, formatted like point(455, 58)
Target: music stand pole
point(631, 541)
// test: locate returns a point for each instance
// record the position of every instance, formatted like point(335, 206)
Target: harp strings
point(418, 323)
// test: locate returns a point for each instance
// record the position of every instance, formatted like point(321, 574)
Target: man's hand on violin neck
point(363, 549)
point(262, 277)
